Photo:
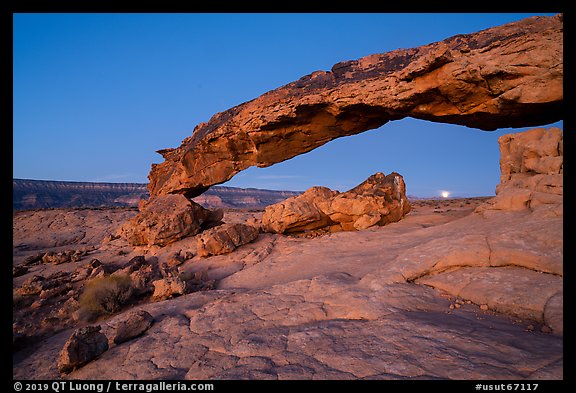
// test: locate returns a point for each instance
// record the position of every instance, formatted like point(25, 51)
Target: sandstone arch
point(506, 76)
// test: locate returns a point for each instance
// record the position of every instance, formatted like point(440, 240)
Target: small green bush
point(106, 295)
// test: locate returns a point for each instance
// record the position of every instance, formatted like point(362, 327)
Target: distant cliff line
point(30, 194)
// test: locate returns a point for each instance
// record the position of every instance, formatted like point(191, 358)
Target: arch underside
point(507, 76)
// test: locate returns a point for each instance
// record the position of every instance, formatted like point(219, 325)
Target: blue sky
point(95, 95)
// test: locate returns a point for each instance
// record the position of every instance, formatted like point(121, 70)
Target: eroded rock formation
point(135, 324)
point(225, 238)
point(531, 165)
point(506, 76)
point(378, 200)
point(165, 219)
point(520, 271)
point(84, 345)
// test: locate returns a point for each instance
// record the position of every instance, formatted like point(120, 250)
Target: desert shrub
point(106, 295)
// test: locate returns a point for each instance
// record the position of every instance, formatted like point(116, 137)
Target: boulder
point(81, 273)
point(225, 238)
point(84, 345)
point(92, 269)
point(366, 221)
point(68, 309)
point(255, 222)
point(166, 270)
point(214, 219)
point(378, 200)
point(176, 259)
point(33, 259)
point(299, 213)
point(143, 278)
point(93, 263)
point(19, 270)
point(134, 264)
point(56, 258)
point(32, 286)
point(165, 219)
point(55, 291)
point(199, 281)
point(36, 284)
point(133, 325)
point(168, 287)
point(99, 271)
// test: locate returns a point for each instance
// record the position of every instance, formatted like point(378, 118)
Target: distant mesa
point(45, 194)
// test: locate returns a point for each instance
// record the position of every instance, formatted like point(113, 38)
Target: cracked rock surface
point(373, 304)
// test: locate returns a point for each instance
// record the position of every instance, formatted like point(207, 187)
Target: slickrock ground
point(444, 293)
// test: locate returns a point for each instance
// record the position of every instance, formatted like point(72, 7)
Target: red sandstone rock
point(168, 287)
point(506, 76)
point(165, 219)
point(377, 201)
point(299, 213)
point(133, 325)
point(225, 238)
point(84, 345)
point(531, 165)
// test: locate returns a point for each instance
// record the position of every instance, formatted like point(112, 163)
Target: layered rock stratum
point(506, 76)
point(532, 167)
point(49, 194)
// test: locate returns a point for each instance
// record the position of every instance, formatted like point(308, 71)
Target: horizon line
point(409, 196)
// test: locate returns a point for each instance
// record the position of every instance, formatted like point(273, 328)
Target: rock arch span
point(506, 76)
